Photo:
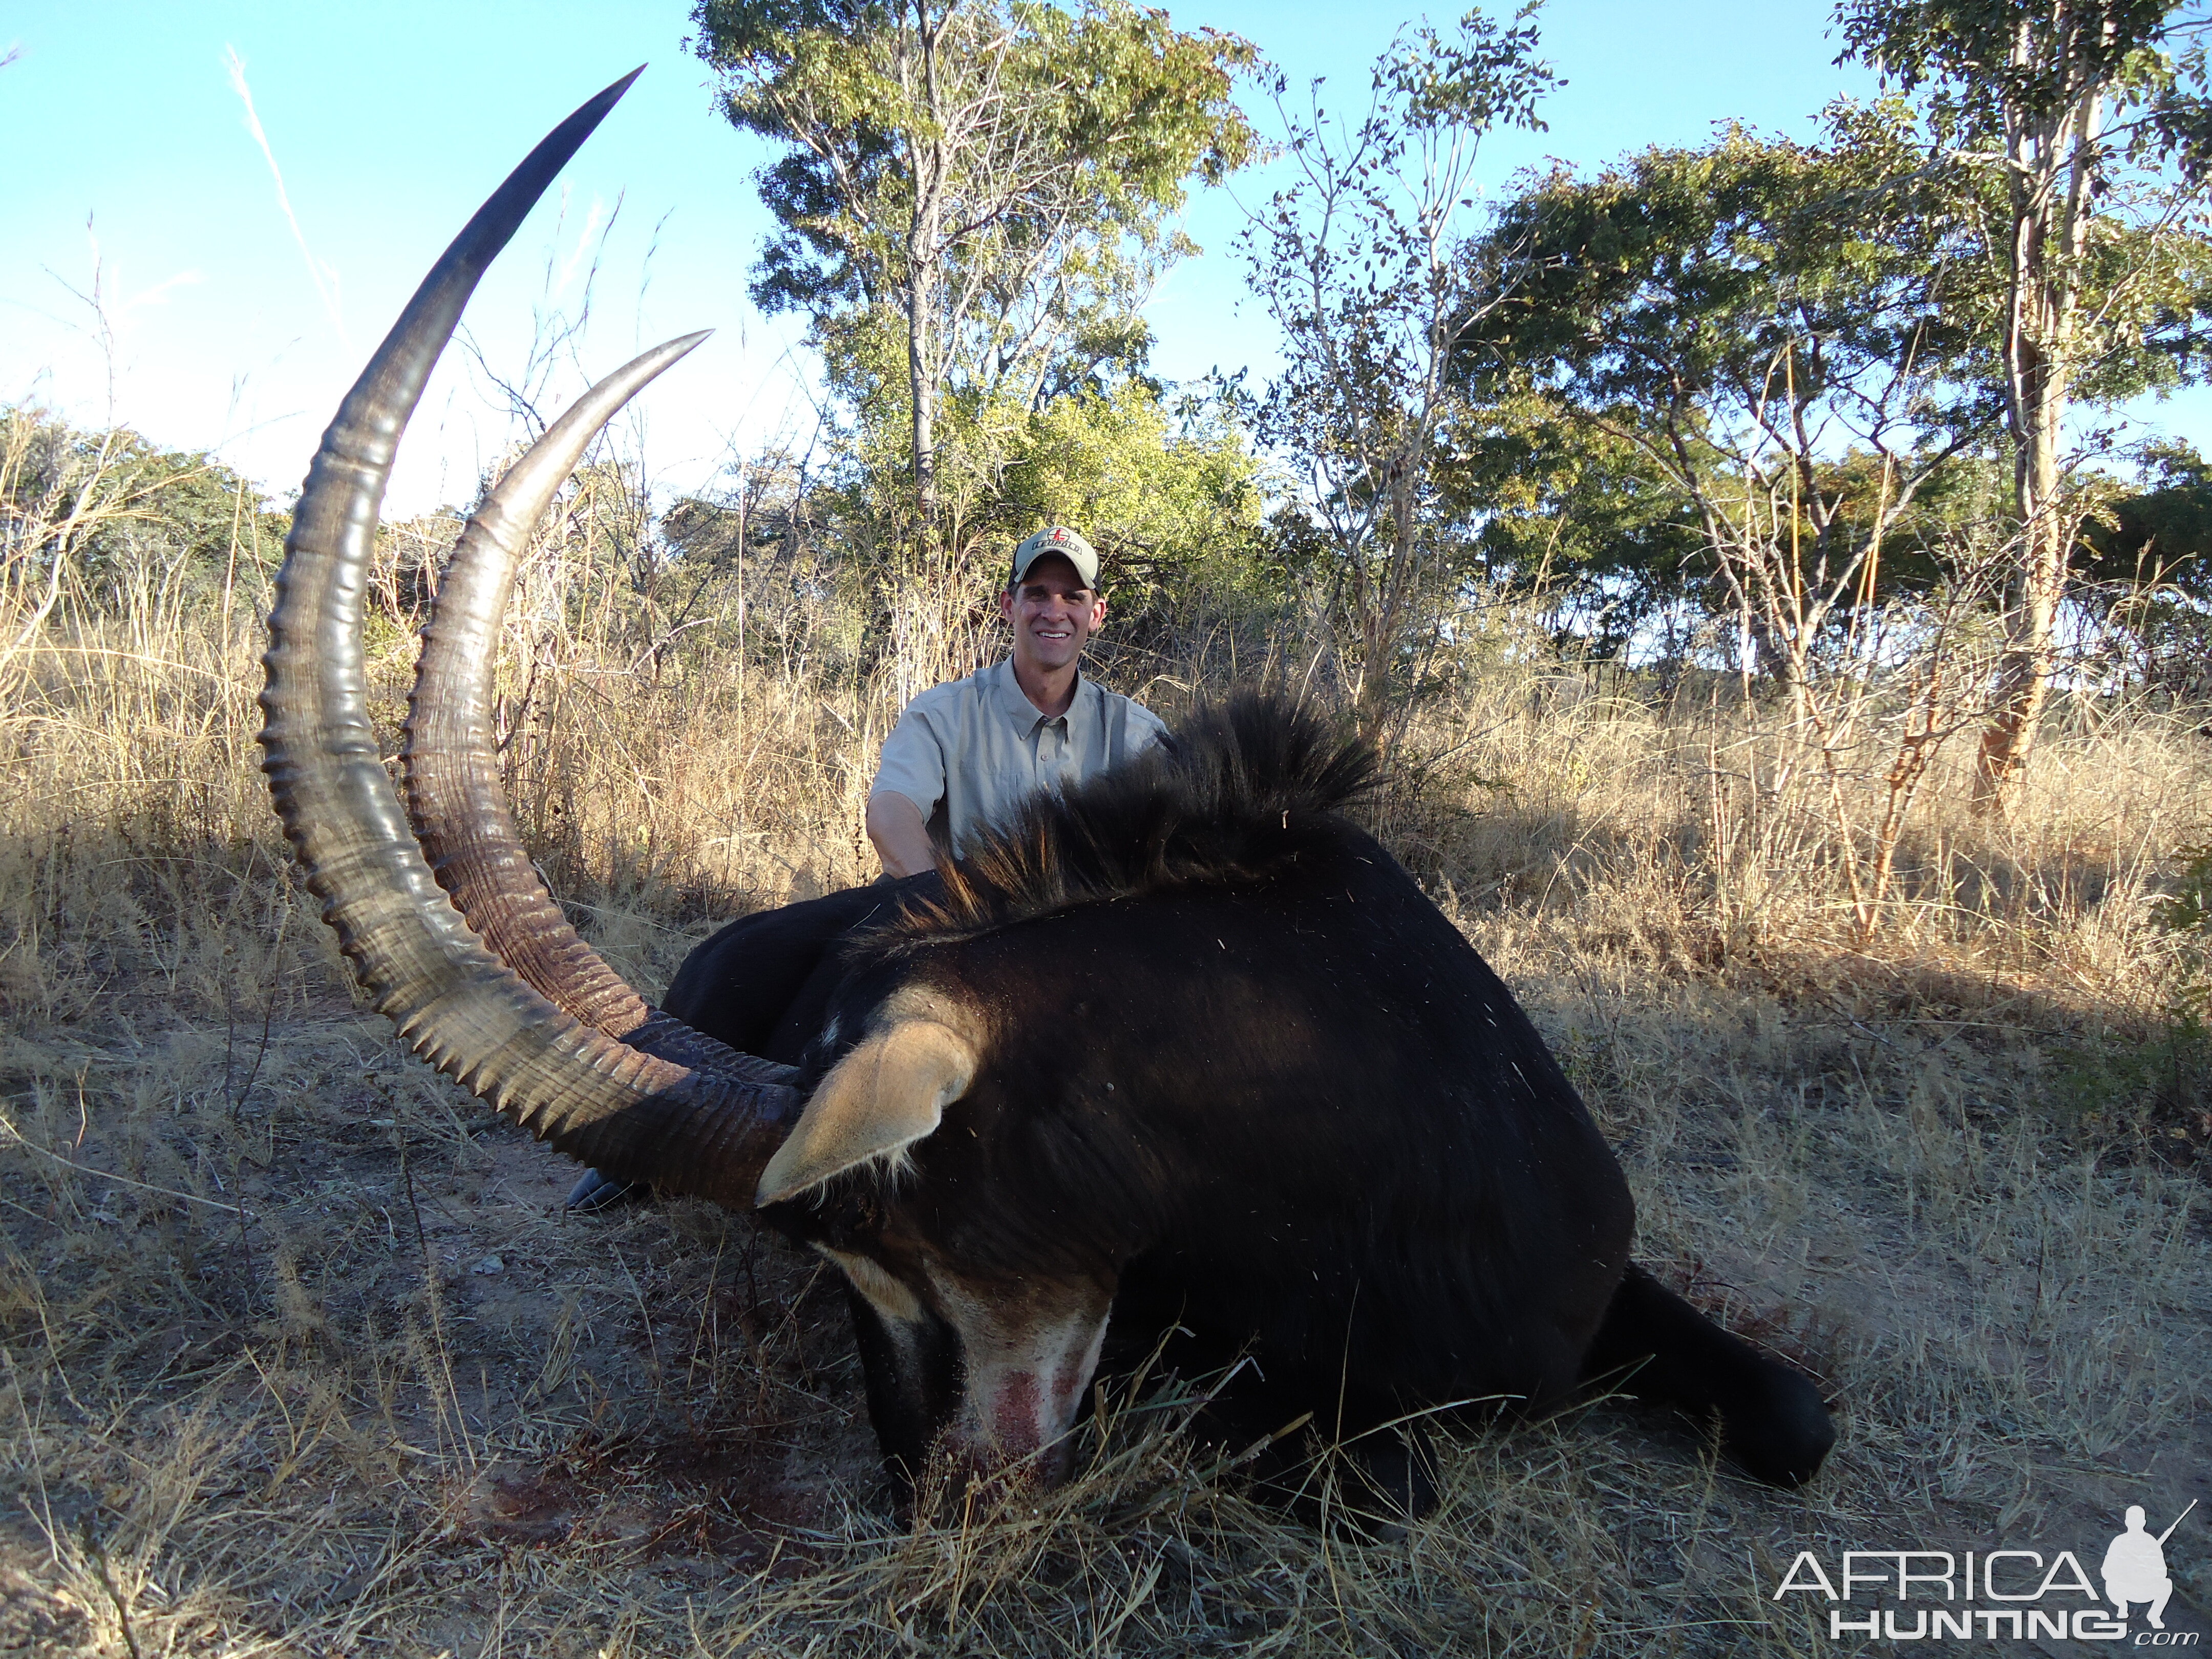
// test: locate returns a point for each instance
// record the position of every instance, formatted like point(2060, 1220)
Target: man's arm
point(912, 772)
point(900, 833)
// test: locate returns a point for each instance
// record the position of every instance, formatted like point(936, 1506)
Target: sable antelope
point(1183, 1051)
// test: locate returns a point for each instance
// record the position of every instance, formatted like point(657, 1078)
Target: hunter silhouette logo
point(2135, 1566)
point(2002, 1594)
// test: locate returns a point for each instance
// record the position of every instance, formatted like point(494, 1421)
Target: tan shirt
point(979, 746)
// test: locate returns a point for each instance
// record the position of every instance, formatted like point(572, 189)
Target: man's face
point(1053, 613)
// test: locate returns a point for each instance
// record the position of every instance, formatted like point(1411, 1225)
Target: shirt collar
point(1013, 702)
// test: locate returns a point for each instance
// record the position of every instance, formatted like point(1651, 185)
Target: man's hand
point(900, 833)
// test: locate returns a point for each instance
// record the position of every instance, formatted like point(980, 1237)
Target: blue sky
point(225, 324)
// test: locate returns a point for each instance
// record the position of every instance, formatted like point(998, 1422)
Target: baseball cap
point(1064, 540)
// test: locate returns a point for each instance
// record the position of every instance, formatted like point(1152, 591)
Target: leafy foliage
point(1753, 315)
point(1172, 495)
point(983, 188)
point(1684, 311)
point(112, 511)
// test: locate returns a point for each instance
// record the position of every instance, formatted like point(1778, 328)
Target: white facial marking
point(885, 1294)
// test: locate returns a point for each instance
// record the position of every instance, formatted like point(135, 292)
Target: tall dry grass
point(301, 1354)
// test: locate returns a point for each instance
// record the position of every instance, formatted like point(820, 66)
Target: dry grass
point(303, 1355)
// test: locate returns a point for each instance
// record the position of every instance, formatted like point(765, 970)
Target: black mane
point(1228, 796)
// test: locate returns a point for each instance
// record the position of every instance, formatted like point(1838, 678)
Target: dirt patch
point(37, 1624)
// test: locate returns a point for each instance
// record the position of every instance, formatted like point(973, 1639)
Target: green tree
point(1369, 264)
point(1561, 512)
point(973, 195)
point(1170, 493)
point(1784, 335)
point(2087, 121)
point(2144, 565)
point(97, 518)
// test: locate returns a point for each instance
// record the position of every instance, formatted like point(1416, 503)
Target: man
point(965, 754)
point(2135, 1569)
point(961, 756)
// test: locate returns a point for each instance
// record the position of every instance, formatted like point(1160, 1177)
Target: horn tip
point(595, 108)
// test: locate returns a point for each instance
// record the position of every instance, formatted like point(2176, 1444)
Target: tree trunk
point(924, 225)
point(1390, 600)
point(922, 388)
point(2023, 675)
point(2051, 161)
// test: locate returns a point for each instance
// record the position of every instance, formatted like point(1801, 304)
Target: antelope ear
point(887, 1094)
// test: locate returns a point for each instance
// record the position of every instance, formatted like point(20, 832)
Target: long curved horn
point(451, 768)
point(456, 1005)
